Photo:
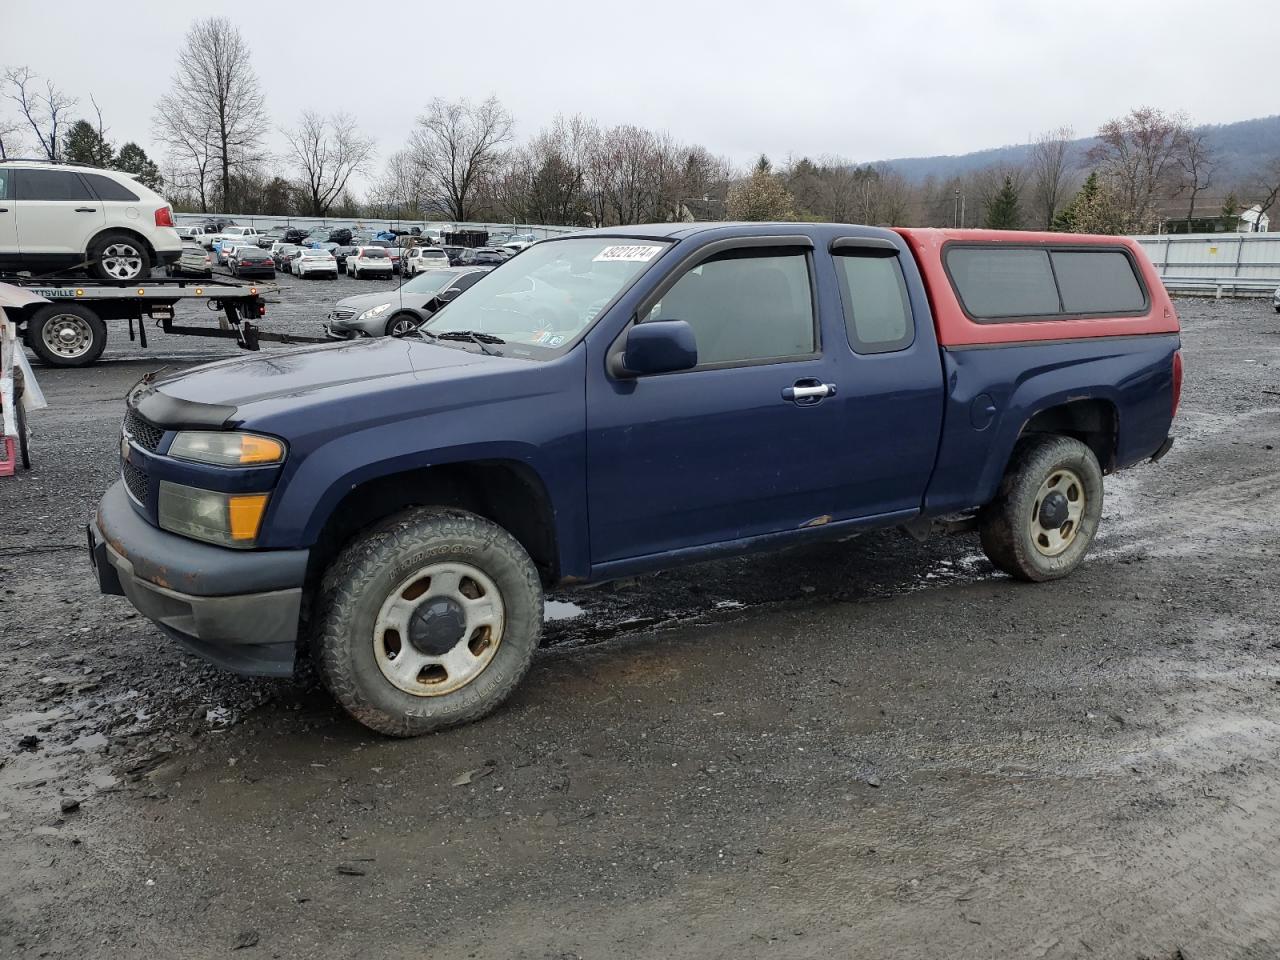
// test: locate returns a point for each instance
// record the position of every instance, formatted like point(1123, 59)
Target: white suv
point(55, 216)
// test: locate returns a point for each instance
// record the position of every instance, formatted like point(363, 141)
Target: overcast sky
point(863, 80)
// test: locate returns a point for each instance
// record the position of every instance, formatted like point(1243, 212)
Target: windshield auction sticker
point(629, 253)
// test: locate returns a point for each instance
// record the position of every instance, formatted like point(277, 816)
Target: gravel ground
point(872, 748)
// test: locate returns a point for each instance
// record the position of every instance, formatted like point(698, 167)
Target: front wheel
point(428, 621)
point(401, 324)
point(1046, 513)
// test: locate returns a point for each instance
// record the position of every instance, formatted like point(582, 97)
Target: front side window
point(51, 185)
point(877, 310)
point(743, 306)
point(544, 301)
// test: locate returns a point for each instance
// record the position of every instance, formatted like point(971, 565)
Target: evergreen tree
point(134, 161)
point(762, 196)
point(84, 144)
point(1002, 209)
point(1092, 210)
point(1231, 212)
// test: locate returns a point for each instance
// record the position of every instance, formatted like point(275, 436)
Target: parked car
point(56, 216)
point(294, 235)
point(454, 253)
point(265, 240)
point(625, 400)
point(224, 247)
point(369, 261)
point(194, 262)
point(315, 262)
point(419, 259)
point(250, 260)
point(341, 236)
point(341, 255)
point(399, 311)
point(396, 255)
point(490, 255)
point(283, 253)
point(1275, 299)
point(233, 234)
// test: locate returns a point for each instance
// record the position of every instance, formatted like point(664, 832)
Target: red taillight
point(164, 217)
point(1177, 380)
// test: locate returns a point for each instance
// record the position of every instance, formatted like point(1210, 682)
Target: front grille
point(342, 313)
point(142, 432)
point(135, 480)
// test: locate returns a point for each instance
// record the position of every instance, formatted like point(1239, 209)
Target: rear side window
point(6, 178)
point(1097, 281)
point(877, 311)
point(745, 306)
point(108, 189)
point(995, 283)
point(51, 185)
point(1017, 283)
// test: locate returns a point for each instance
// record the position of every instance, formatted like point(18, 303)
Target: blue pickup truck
point(619, 401)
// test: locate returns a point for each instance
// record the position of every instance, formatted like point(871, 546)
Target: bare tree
point(191, 141)
point(1048, 165)
point(215, 100)
point(9, 137)
point(328, 150)
point(1198, 163)
point(1268, 185)
point(1137, 156)
point(457, 147)
point(45, 112)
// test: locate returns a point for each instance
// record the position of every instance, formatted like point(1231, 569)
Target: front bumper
point(236, 608)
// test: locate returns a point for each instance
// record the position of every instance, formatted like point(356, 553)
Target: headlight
point(374, 312)
point(225, 449)
point(227, 519)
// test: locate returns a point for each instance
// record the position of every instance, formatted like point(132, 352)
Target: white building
point(1254, 220)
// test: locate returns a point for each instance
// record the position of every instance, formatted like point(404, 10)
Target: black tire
point(366, 575)
point(66, 335)
point(1012, 528)
point(116, 255)
point(401, 318)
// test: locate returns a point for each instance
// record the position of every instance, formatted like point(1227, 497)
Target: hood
point(365, 301)
point(216, 393)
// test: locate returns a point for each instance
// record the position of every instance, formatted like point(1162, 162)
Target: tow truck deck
point(71, 331)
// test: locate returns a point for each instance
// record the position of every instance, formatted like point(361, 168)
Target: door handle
point(86, 209)
point(808, 391)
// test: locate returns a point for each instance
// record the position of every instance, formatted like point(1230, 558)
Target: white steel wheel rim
point(122, 261)
point(67, 336)
point(463, 589)
point(1052, 540)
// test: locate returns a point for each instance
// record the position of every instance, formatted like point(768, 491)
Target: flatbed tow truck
point(71, 329)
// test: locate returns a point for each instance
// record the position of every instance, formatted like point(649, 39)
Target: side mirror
point(658, 346)
point(446, 295)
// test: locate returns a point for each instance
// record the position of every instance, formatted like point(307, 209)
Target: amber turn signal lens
point(244, 514)
point(255, 449)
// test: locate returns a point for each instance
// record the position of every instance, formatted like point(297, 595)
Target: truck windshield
point(550, 293)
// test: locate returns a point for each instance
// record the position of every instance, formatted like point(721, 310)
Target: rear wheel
point(428, 621)
point(66, 335)
point(1046, 513)
point(117, 255)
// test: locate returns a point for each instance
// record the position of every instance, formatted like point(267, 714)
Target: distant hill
point(1241, 147)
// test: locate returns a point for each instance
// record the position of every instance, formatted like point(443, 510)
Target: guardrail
point(1221, 264)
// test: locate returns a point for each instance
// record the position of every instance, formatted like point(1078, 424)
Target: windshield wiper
point(475, 336)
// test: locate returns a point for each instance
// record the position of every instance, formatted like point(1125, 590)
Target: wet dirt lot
point(875, 748)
